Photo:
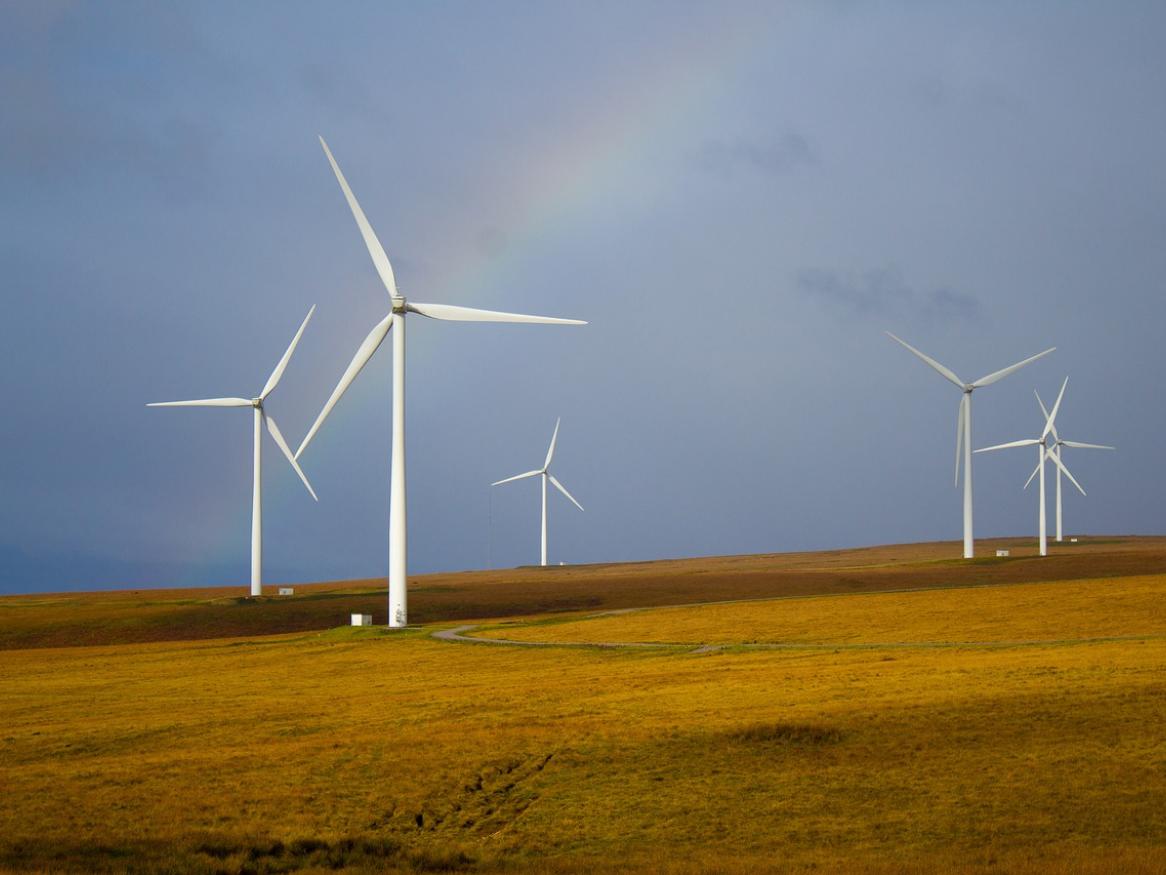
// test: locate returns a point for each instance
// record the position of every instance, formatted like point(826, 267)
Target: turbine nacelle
point(399, 306)
point(256, 403)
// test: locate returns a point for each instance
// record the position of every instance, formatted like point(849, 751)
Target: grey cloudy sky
point(740, 197)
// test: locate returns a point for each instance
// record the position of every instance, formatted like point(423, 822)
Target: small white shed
point(362, 619)
point(286, 590)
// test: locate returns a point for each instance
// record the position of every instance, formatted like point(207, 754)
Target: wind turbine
point(963, 428)
point(260, 418)
point(1055, 449)
point(546, 475)
point(396, 319)
point(1043, 453)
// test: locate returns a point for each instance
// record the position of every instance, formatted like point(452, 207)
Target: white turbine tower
point(1055, 449)
point(260, 418)
point(1041, 444)
point(396, 319)
point(546, 475)
point(963, 428)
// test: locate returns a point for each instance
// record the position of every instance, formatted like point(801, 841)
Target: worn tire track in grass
point(457, 635)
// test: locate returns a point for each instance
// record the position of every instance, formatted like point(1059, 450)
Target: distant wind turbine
point(398, 542)
point(546, 475)
point(1055, 449)
point(1041, 443)
point(261, 418)
point(963, 429)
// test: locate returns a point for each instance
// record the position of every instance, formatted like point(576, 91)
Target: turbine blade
point(1081, 446)
point(517, 477)
point(277, 436)
point(1045, 412)
point(363, 354)
point(959, 435)
point(450, 313)
point(551, 451)
point(1001, 374)
point(277, 374)
point(1056, 406)
point(563, 490)
point(1035, 471)
point(1065, 471)
point(379, 258)
point(1025, 443)
point(945, 372)
point(204, 402)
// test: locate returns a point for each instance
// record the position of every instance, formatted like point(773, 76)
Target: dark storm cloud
point(62, 146)
point(167, 217)
point(765, 156)
point(884, 294)
point(340, 94)
point(113, 113)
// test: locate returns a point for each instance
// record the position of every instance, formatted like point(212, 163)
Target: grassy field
point(1023, 731)
point(1131, 608)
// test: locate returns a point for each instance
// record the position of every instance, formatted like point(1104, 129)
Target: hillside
point(1011, 719)
point(79, 619)
point(1013, 727)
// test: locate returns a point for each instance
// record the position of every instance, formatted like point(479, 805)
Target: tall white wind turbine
point(963, 428)
point(546, 475)
point(1055, 449)
point(1042, 448)
point(398, 543)
point(261, 419)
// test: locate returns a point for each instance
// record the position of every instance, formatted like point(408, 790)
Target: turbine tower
point(1043, 453)
point(546, 475)
point(261, 419)
point(963, 428)
point(398, 613)
point(1055, 449)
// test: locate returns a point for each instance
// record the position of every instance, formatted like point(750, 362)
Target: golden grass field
point(1070, 612)
point(1014, 724)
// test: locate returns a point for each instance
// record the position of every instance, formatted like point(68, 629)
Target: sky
point(740, 198)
